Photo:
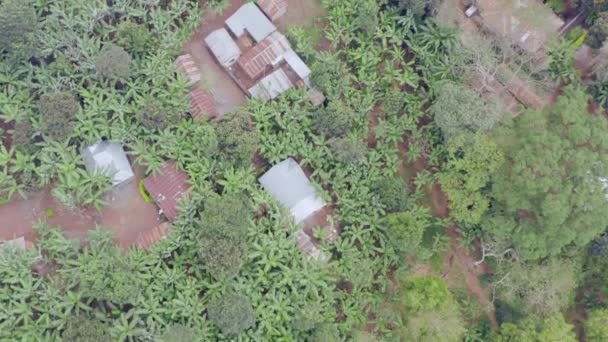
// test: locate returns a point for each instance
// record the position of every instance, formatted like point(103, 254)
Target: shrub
point(82, 329)
point(57, 113)
point(113, 63)
point(133, 37)
point(231, 313)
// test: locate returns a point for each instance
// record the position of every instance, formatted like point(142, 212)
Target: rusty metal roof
point(267, 53)
point(202, 104)
point(167, 188)
point(274, 9)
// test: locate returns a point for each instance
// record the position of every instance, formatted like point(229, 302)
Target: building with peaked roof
point(186, 66)
point(274, 9)
point(167, 188)
point(250, 19)
point(223, 47)
point(110, 159)
point(287, 182)
point(202, 104)
point(265, 55)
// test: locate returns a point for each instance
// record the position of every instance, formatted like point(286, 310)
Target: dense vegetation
point(528, 191)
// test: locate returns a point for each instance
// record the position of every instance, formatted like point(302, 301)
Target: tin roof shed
point(202, 104)
point(109, 159)
point(249, 18)
point(298, 66)
point(167, 188)
point(271, 86)
point(274, 9)
point(289, 185)
point(186, 66)
point(223, 47)
point(268, 52)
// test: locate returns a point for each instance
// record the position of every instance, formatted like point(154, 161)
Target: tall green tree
point(223, 232)
point(596, 326)
point(553, 328)
point(18, 22)
point(550, 192)
point(458, 109)
point(472, 160)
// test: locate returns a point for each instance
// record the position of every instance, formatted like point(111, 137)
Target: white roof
point(297, 64)
point(17, 244)
point(110, 159)
point(289, 185)
point(223, 47)
point(271, 86)
point(251, 19)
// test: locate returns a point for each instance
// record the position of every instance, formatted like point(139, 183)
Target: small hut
point(202, 104)
point(223, 47)
point(109, 159)
point(287, 182)
point(167, 188)
point(186, 66)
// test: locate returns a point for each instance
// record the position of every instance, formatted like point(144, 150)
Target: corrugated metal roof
point(298, 66)
point(271, 86)
point(223, 47)
point(274, 9)
point(202, 104)
point(186, 66)
point(109, 159)
point(268, 52)
point(287, 182)
point(167, 188)
point(250, 18)
point(147, 239)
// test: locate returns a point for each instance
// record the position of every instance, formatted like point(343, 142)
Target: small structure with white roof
point(223, 47)
point(298, 66)
point(250, 19)
point(109, 159)
point(287, 182)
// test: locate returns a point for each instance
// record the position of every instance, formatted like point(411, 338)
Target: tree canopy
point(549, 194)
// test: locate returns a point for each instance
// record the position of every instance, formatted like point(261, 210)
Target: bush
point(17, 27)
point(82, 329)
point(23, 134)
point(113, 63)
point(231, 313)
point(57, 115)
point(154, 116)
point(237, 140)
point(133, 37)
point(598, 31)
point(336, 120)
point(392, 193)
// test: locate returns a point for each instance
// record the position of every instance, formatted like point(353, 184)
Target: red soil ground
point(126, 214)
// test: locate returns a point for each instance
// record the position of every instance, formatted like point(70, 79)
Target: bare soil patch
point(126, 214)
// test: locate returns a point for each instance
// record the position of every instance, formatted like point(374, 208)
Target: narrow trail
point(459, 258)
